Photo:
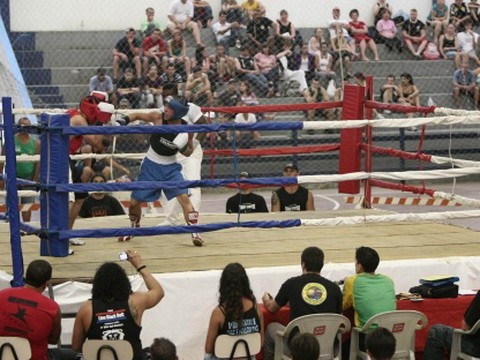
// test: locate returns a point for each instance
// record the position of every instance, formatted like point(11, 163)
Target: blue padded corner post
point(54, 164)
point(12, 194)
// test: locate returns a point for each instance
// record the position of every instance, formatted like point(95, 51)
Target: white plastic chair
point(402, 323)
point(240, 346)
point(325, 327)
point(456, 352)
point(14, 348)
point(107, 350)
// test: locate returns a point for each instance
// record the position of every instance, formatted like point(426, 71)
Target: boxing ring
point(268, 245)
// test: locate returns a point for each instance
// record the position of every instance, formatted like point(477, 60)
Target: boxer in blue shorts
point(160, 164)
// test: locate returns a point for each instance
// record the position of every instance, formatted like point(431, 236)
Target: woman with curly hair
point(237, 312)
point(115, 311)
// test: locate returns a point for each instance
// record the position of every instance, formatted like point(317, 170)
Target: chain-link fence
point(266, 64)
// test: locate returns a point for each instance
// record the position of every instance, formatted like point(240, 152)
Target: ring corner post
point(54, 165)
point(350, 139)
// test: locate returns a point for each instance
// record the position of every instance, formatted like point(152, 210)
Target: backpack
point(431, 52)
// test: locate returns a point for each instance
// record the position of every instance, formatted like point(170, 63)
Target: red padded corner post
point(350, 139)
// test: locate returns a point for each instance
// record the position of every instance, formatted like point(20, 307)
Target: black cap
point(290, 166)
point(101, 71)
point(244, 174)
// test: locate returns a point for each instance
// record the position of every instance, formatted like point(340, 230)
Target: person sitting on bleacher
point(249, 7)
point(464, 83)
point(459, 13)
point(267, 64)
point(171, 79)
point(152, 89)
point(99, 317)
point(388, 33)
point(379, 8)
point(338, 25)
point(286, 30)
point(308, 293)
point(225, 32)
point(181, 18)
point(147, 26)
point(315, 93)
point(233, 10)
point(154, 50)
point(222, 64)
point(259, 30)
point(289, 70)
point(247, 70)
point(467, 41)
point(202, 13)
point(104, 83)
point(198, 88)
point(448, 46)
point(177, 54)
point(389, 92)
point(413, 31)
point(127, 53)
point(438, 19)
point(28, 314)
point(128, 87)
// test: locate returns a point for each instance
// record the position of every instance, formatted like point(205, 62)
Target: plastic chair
point(402, 323)
point(107, 350)
point(14, 348)
point(325, 327)
point(231, 347)
point(456, 352)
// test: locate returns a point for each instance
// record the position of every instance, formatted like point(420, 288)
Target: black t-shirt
point(123, 46)
point(459, 11)
point(107, 206)
point(472, 315)
point(413, 28)
point(310, 294)
point(248, 203)
point(123, 83)
point(293, 202)
point(260, 29)
point(246, 63)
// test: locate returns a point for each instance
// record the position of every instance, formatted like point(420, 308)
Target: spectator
point(147, 26)
point(467, 42)
point(292, 197)
point(163, 349)
point(237, 312)
point(447, 45)
point(100, 204)
point(127, 54)
point(181, 17)
point(366, 292)
point(315, 94)
point(25, 144)
point(202, 59)
point(247, 70)
point(309, 293)
point(303, 60)
point(315, 42)
point(337, 25)
point(439, 338)
point(154, 50)
point(202, 13)
point(28, 314)
point(177, 53)
point(247, 96)
point(379, 9)
point(324, 65)
point(304, 346)
point(285, 29)
point(102, 82)
point(222, 64)
point(96, 317)
point(246, 136)
point(152, 88)
point(246, 201)
point(408, 92)
point(198, 88)
point(229, 97)
point(289, 68)
point(473, 6)
point(359, 32)
point(387, 32)
point(459, 13)
point(128, 88)
point(464, 83)
point(171, 80)
point(389, 92)
point(380, 344)
point(259, 30)
point(342, 53)
point(233, 10)
point(438, 19)
point(267, 64)
point(250, 7)
point(227, 34)
point(413, 31)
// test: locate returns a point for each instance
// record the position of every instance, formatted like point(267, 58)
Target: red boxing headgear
point(100, 95)
point(96, 110)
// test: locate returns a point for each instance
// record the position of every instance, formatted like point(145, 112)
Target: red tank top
point(75, 141)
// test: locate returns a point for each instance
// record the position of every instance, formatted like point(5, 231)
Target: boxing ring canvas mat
point(190, 275)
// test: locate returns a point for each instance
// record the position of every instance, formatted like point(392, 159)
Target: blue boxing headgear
point(180, 108)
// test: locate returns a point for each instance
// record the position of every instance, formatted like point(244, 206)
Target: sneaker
point(77, 242)
point(387, 112)
point(197, 239)
point(71, 252)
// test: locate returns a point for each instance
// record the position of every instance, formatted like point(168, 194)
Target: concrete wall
point(88, 15)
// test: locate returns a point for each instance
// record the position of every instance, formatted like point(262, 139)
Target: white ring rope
point(475, 203)
point(457, 112)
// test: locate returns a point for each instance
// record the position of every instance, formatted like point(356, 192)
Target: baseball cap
point(179, 109)
point(290, 166)
point(244, 174)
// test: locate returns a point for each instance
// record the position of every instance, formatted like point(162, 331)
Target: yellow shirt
point(250, 6)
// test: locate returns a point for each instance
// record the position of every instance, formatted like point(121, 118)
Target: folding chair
point(107, 350)
point(239, 346)
point(402, 323)
point(14, 348)
point(456, 352)
point(325, 327)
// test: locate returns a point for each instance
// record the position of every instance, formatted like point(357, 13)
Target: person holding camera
point(115, 311)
